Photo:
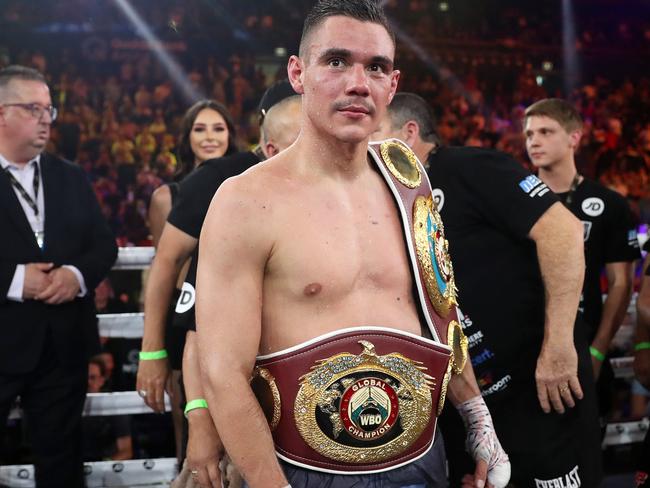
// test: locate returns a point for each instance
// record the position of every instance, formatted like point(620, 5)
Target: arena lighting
point(571, 64)
point(443, 6)
point(178, 76)
point(445, 75)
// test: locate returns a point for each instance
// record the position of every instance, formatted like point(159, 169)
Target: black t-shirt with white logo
point(195, 194)
point(488, 204)
point(610, 236)
point(197, 189)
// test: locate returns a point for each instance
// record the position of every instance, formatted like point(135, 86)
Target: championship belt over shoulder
point(428, 250)
point(358, 400)
point(366, 399)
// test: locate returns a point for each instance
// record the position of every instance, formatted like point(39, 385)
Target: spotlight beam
point(175, 71)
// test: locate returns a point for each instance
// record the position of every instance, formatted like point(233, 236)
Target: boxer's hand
point(204, 449)
point(556, 377)
point(484, 446)
point(154, 378)
point(469, 480)
point(36, 280)
point(64, 287)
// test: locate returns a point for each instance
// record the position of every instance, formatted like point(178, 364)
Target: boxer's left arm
point(482, 442)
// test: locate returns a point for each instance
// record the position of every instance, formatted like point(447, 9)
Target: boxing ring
point(161, 471)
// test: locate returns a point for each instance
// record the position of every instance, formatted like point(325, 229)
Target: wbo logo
point(369, 408)
point(186, 299)
point(593, 206)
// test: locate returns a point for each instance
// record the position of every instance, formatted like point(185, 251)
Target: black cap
point(277, 92)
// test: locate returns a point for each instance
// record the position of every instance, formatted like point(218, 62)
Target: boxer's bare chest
point(339, 258)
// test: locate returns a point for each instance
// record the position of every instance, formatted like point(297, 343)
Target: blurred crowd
point(120, 107)
point(120, 114)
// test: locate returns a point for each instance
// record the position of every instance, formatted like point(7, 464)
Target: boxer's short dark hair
point(363, 10)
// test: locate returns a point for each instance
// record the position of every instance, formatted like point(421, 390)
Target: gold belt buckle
point(363, 408)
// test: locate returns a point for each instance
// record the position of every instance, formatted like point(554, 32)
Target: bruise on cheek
point(312, 289)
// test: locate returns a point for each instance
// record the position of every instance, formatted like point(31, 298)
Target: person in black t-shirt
point(553, 128)
point(642, 362)
point(207, 131)
point(519, 267)
point(280, 108)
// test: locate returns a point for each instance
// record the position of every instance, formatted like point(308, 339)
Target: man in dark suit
point(54, 250)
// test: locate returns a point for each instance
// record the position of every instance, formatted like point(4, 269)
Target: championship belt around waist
point(359, 400)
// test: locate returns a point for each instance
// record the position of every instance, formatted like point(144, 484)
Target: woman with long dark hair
point(207, 132)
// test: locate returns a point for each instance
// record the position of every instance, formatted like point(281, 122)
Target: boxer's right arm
point(233, 250)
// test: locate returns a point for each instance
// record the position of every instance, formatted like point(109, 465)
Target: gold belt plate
point(363, 408)
point(401, 162)
point(433, 255)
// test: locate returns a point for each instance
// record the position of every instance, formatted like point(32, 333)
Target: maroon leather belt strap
point(428, 249)
point(358, 400)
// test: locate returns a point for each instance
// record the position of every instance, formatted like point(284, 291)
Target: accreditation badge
point(363, 408)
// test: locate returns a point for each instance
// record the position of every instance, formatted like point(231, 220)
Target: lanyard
point(574, 185)
point(36, 184)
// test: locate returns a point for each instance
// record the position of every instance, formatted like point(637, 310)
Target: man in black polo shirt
point(518, 262)
point(553, 129)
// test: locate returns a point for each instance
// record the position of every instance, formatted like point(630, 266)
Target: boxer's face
point(346, 77)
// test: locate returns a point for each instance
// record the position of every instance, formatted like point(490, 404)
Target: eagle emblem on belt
point(363, 408)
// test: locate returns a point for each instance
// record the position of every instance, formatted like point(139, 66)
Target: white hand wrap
point(482, 441)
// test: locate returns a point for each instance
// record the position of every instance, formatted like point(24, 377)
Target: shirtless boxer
point(310, 243)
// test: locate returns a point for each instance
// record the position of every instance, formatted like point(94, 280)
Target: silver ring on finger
point(142, 393)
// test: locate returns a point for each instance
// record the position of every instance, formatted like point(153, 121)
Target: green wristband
point(596, 353)
point(194, 404)
point(642, 346)
point(151, 355)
